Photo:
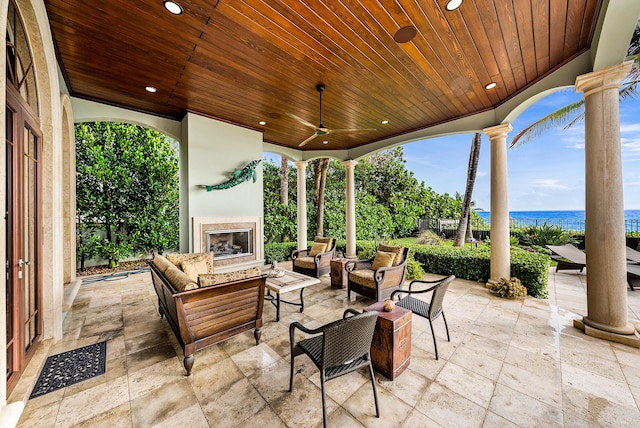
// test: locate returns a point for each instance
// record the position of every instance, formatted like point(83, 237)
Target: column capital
point(498, 130)
point(301, 164)
point(607, 78)
point(350, 163)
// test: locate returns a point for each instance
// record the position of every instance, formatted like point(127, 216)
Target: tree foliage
point(127, 188)
point(574, 113)
point(389, 200)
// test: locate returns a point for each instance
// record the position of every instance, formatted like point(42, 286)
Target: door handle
point(23, 263)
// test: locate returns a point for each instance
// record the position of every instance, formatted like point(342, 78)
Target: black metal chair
point(427, 310)
point(340, 347)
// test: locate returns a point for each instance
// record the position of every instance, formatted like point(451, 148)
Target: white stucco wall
point(210, 151)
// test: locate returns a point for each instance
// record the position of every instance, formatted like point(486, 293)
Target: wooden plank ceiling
point(246, 61)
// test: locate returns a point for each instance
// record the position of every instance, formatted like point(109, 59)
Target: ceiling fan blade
point(351, 131)
point(307, 140)
point(302, 121)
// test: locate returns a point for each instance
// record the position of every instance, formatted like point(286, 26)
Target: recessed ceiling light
point(325, 142)
point(173, 7)
point(453, 4)
point(262, 122)
point(384, 122)
point(491, 85)
point(150, 89)
point(405, 34)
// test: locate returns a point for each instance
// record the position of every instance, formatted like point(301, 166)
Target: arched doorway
point(23, 150)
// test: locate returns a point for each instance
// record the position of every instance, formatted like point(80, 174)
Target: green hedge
point(531, 268)
point(280, 251)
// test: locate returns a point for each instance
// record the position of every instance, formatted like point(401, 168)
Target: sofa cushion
point(178, 258)
point(207, 280)
point(322, 239)
point(363, 277)
point(161, 263)
point(317, 248)
point(305, 262)
point(194, 267)
point(383, 259)
point(179, 280)
point(396, 249)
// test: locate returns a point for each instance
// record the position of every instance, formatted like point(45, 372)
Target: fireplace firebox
point(237, 242)
point(227, 244)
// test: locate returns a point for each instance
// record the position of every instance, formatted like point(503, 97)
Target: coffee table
point(291, 281)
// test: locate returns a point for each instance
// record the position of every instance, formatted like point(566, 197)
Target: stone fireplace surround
point(201, 225)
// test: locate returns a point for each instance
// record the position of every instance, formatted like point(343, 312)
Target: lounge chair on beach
point(568, 257)
point(633, 268)
point(633, 255)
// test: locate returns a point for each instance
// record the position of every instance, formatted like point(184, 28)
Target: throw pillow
point(208, 280)
point(396, 249)
point(161, 263)
point(194, 267)
point(383, 259)
point(317, 248)
point(178, 258)
point(179, 280)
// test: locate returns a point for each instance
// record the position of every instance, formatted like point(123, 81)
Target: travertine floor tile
point(523, 410)
point(450, 409)
point(510, 363)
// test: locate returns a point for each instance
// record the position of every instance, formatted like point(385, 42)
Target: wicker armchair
point(377, 284)
point(311, 263)
point(338, 348)
point(429, 310)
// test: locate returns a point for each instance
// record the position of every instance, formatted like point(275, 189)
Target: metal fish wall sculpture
point(237, 177)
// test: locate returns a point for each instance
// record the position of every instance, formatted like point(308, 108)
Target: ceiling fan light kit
point(321, 130)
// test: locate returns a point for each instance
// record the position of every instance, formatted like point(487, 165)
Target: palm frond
point(560, 117)
point(629, 90)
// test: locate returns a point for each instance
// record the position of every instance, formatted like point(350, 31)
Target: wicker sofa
point(210, 309)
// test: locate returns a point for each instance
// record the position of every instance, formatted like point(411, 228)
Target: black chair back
point(348, 339)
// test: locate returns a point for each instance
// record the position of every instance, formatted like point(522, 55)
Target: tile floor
point(510, 363)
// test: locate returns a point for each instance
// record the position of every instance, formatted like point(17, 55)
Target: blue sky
point(546, 174)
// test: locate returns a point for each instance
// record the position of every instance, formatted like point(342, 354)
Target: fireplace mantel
point(203, 225)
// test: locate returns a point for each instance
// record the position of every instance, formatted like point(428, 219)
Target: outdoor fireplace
point(236, 242)
point(227, 244)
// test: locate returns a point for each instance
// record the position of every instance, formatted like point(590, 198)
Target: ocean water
point(570, 220)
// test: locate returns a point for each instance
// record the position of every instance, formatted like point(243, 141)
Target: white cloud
point(629, 127)
point(481, 174)
point(631, 144)
point(548, 183)
point(579, 146)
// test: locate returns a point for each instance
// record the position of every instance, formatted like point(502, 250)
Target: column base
point(632, 339)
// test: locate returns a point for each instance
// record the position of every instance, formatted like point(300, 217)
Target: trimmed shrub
point(510, 288)
point(474, 264)
point(279, 251)
point(544, 235)
point(532, 269)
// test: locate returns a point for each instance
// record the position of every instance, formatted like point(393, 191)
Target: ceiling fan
point(321, 130)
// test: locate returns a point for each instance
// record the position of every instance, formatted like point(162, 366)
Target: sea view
point(570, 220)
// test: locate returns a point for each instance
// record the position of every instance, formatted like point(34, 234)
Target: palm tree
point(574, 113)
point(284, 192)
point(464, 224)
point(320, 167)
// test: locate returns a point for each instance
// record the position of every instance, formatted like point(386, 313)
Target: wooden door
point(23, 232)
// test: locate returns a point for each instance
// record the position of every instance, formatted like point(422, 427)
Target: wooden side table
point(338, 274)
point(391, 346)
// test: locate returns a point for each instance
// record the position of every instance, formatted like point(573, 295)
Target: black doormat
point(67, 368)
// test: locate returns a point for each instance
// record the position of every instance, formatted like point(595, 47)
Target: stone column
point(500, 256)
point(604, 208)
point(302, 204)
point(349, 166)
